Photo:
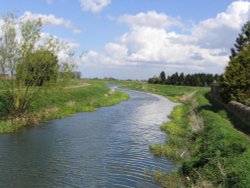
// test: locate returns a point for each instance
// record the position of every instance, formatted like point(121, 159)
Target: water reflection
point(106, 148)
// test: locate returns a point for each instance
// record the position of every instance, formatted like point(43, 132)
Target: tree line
point(233, 84)
point(198, 79)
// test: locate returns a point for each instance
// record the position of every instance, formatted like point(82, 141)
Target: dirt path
point(77, 86)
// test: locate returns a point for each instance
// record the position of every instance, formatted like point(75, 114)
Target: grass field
point(60, 102)
point(202, 140)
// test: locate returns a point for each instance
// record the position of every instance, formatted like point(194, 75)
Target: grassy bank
point(59, 102)
point(202, 140)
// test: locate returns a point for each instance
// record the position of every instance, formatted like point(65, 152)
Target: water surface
point(107, 148)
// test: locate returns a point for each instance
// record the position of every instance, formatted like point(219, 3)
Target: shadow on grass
point(218, 108)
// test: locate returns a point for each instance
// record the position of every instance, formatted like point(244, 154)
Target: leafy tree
point(38, 67)
point(154, 80)
point(26, 61)
point(163, 77)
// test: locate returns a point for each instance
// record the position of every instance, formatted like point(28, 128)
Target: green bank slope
point(203, 141)
point(58, 102)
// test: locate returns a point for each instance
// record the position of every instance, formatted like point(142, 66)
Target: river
point(107, 148)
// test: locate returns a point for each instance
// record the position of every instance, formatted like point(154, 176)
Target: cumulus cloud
point(150, 42)
point(94, 6)
point(51, 20)
point(220, 32)
point(150, 19)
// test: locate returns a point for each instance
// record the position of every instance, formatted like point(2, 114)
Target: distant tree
point(199, 79)
point(181, 79)
point(163, 77)
point(242, 40)
point(174, 78)
point(154, 80)
point(76, 75)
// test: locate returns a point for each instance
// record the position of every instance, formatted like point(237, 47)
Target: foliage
point(168, 180)
point(219, 153)
point(26, 61)
point(154, 80)
point(242, 40)
point(163, 77)
point(38, 68)
point(178, 134)
point(235, 83)
point(199, 79)
point(216, 154)
point(60, 102)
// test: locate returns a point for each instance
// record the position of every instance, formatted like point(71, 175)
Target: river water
point(107, 148)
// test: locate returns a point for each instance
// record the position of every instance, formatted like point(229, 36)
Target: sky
point(138, 39)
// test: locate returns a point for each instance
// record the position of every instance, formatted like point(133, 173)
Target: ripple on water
point(106, 148)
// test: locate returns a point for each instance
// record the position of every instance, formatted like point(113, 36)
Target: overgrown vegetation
point(28, 64)
point(202, 140)
point(58, 103)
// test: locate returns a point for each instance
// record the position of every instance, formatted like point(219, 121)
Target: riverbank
point(57, 103)
point(202, 140)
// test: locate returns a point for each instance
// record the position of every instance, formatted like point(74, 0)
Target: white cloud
point(150, 19)
point(51, 20)
point(94, 6)
point(149, 43)
point(220, 32)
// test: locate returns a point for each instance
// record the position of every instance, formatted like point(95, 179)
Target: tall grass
point(60, 102)
point(203, 139)
point(220, 154)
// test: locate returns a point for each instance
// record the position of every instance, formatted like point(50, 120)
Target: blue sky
point(139, 38)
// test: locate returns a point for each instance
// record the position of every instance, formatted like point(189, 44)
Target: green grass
point(1, 85)
point(169, 91)
point(177, 130)
point(58, 103)
point(220, 154)
point(202, 139)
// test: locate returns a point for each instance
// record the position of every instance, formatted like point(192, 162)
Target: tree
point(181, 79)
point(26, 61)
point(242, 40)
point(235, 83)
point(162, 77)
point(154, 80)
point(38, 68)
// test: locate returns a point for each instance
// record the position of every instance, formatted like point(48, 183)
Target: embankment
point(59, 102)
point(202, 140)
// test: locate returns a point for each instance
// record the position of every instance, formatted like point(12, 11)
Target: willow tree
point(26, 61)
